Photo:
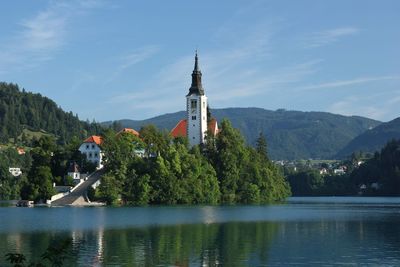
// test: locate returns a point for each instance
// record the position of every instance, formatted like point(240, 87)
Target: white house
point(91, 148)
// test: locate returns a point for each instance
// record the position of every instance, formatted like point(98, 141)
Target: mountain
point(374, 139)
point(23, 113)
point(290, 134)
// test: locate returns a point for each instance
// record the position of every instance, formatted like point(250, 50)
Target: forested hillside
point(23, 112)
point(374, 139)
point(290, 134)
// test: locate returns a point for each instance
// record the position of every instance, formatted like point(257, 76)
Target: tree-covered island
point(224, 170)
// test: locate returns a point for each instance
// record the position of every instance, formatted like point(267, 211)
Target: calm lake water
point(323, 231)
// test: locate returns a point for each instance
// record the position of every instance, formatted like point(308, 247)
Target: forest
point(23, 112)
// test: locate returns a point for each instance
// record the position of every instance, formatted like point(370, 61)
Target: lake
point(305, 231)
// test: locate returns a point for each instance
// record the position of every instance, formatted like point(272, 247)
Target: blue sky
point(108, 60)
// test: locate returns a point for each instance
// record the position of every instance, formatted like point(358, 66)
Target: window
point(194, 118)
point(92, 146)
point(193, 104)
point(204, 104)
point(193, 137)
point(95, 155)
point(90, 155)
point(87, 146)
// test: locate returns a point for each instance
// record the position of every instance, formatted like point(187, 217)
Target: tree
point(230, 155)
point(306, 183)
point(261, 145)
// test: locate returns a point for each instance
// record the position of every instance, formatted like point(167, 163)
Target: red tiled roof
point(180, 129)
point(94, 139)
point(213, 126)
point(129, 130)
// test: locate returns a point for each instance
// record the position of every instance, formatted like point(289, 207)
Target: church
point(196, 124)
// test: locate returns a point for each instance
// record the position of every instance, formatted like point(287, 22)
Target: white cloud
point(344, 83)
point(329, 36)
point(40, 36)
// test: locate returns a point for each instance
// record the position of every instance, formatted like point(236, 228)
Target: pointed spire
point(196, 62)
point(196, 87)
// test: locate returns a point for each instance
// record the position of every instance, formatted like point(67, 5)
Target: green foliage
point(246, 175)
point(10, 185)
point(383, 169)
point(224, 170)
point(22, 113)
point(109, 189)
point(306, 183)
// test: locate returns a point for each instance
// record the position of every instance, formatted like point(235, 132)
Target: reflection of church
point(196, 124)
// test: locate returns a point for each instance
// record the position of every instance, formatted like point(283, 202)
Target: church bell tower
point(196, 108)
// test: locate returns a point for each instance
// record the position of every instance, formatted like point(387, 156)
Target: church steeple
point(196, 87)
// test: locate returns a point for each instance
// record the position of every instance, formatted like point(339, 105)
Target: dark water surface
point(326, 231)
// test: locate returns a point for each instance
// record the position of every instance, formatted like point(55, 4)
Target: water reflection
point(284, 235)
point(230, 244)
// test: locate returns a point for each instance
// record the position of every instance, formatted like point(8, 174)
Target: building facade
point(92, 150)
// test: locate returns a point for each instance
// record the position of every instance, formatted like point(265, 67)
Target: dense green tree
point(306, 183)
point(261, 145)
point(155, 141)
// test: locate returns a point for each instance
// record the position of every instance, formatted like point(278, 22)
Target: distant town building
point(323, 171)
point(196, 124)
point(21, 151)
point(91, 148)
point(15, 171)
point(340, 171)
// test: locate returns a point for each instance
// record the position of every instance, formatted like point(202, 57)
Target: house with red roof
point(196, 124)
point(91, 148)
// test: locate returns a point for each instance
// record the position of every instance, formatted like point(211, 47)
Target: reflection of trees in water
point(230, 244)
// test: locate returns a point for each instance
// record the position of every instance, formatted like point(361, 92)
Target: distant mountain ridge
point(290, 134)
point(373, 139)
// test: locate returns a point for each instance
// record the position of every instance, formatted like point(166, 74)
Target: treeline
point(223, 171)
point(383, 170)
point(378, 176)
point(21, 110)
